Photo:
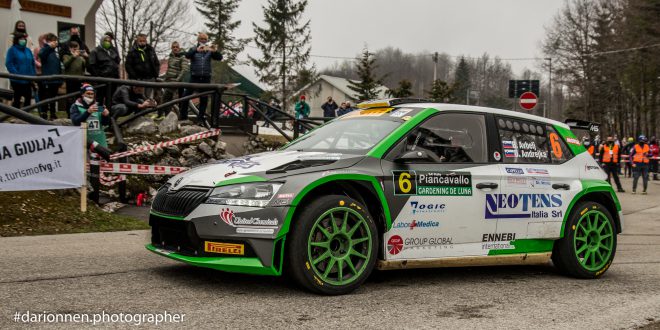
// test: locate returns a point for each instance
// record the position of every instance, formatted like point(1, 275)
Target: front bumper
point(227, 264)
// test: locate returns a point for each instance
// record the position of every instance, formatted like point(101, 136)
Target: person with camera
point(200, 57)
point(128, 100)
point(86, 109)
point(74, 62)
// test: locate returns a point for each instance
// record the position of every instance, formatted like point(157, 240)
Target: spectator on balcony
point(50, 65)
point(200, 57)
point(19, 60)
point(142, 62)
point(178, 67)
point(128, 100)
point(104, 62)
point(74, 65)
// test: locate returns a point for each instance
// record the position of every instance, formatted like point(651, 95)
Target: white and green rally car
point(397, 184)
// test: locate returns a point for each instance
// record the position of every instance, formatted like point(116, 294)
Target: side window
point(451, 138)
point(523, 142)
point(559, 151)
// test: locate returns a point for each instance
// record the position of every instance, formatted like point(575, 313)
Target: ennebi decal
point(405, 182)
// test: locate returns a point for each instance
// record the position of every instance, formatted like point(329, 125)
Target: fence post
point(215, 110)
point(296, 128)
point(122, 184)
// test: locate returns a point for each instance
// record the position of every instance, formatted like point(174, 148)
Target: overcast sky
point(504, 28)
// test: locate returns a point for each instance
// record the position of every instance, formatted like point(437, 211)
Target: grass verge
point(56, 212)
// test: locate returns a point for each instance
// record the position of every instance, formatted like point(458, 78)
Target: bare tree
point(163, 20)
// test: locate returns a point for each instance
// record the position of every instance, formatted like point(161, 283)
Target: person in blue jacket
point(19, 60)
point(50, 65)
point(200, 58)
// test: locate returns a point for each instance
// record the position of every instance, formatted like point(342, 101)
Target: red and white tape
point(127, 168)
point(185, 139)
point(110, 180)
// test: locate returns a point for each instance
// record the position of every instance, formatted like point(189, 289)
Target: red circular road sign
point(528, 100)
point(395, 244)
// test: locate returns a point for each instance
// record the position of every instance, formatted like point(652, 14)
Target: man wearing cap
point(639, 156)
point(610, 154)
point(630, 143)
point(302, 112)
point(85, 109)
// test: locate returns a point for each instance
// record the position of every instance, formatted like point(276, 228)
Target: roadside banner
point(40, 157)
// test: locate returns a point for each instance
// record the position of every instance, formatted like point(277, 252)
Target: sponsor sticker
point(164, 252)
point(591, 168)
point(536, 171)
point(417, 207)
point(441, 183)
point(266, 231)
point(241, 162)
point(523, 206)
point(400, 113)
point(573, 141)
point(515, 170)
point(394, 244)
point(446, 242)
point(227, 216)
point(497, 156)
point(416, 224)
point(289, 195)
point(224, 248)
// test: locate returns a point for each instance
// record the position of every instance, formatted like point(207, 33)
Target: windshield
point(353, 136)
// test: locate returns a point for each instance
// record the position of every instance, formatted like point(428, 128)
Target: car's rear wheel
point(332, 246)
point(589, 243)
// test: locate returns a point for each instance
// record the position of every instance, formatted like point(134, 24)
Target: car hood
point(212, 174)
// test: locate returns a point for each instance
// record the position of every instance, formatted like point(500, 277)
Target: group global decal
point(396, 244)
point(523, 206)
point(441, 183)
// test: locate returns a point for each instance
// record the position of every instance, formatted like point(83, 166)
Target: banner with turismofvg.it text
point(39, 157)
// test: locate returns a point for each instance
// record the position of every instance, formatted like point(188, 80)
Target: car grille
point(181, 236)
point(180, 202)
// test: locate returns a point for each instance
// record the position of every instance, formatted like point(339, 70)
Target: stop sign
point(528, 100)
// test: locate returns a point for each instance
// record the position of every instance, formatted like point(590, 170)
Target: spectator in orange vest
point(589, 146)
point(639, 155)
point(610, 154)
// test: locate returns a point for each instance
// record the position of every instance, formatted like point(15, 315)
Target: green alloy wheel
point(589, 243)
point(333, 245)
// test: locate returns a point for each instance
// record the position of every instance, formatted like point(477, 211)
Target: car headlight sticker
point(256, 194)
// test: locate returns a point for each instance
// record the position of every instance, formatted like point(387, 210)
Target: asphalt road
point(113, 273)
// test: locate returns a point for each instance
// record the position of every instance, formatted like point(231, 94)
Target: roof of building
point(342, 85)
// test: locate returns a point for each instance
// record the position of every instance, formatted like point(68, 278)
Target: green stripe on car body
point(567, 133)
point(227, 264)
point(166, 216)
point(526, 246)
point(590, 186)
point(356, 177)
point(245, 179)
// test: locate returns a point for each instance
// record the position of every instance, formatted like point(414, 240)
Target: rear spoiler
point(592, 127)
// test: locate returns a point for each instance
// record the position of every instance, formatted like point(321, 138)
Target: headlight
point(248, 194)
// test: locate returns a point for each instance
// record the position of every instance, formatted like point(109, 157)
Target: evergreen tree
point(461, 81)
point(404, 89)
point(218, 15)
point(284, 44)
point(441, 92)
point(367, 85)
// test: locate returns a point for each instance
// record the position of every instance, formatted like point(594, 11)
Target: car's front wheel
point(332, 245)
point(589, 243)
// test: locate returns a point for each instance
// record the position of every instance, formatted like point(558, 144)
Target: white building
point(47, 16)
point(317, 93)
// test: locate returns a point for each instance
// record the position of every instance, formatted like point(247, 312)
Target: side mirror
point(412, 156)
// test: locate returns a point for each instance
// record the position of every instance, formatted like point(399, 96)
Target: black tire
point(564, 255)
point(299, 262)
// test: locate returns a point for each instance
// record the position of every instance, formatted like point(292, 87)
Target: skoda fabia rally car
point(396, 184)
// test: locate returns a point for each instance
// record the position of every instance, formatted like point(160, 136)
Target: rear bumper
point(227, 264)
